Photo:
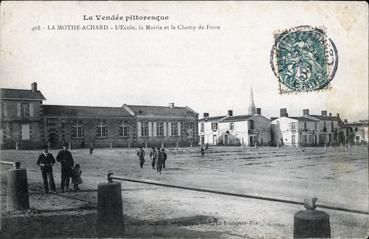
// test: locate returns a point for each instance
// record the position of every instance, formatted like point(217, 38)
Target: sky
point(208, 70)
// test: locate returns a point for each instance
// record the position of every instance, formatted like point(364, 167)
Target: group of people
point(68, 169)
point(158, 158)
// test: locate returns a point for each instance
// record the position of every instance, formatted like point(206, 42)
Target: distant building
point(21, 114)
point(245, 130)
point(306, 129)
point(164, 125)
point(355, 132)
point(27, 123)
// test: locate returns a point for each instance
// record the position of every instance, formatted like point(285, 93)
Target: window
point(102, 129)
point(202, 127)
point(331, 125)
point(293, 125)
point(123, 130)
point(305, 125)
point(324, 126)
point(25, 110)
point(315, 125)
point(231, 126)
point(174, 128)
point(145, 129)
point(356, 129)
point(4, 112)
point(160, 129)
point(77, 130)
point(26, 132)
point(214, 126)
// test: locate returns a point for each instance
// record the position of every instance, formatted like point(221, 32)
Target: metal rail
point(16, 165)
point(110, 180)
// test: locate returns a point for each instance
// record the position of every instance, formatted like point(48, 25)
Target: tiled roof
point(302, 118)
point(146, 110)
point(21, 94)
point(326, 117)
point(83, 111)
point(237, 118)
point(214, 118)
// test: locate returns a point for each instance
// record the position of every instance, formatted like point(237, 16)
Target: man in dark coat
point(164, 155)
point(141, 156)
point(66, 160)
point(46, 161)
point(159, 160)
point(153, 157)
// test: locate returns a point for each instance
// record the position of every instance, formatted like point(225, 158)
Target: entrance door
point(202, 139)
point(252, 141)
point(226, 139)
point(214, 139)
point(293, 140)
point(26, 132)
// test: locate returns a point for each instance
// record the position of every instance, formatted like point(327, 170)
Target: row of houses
point(26, 122)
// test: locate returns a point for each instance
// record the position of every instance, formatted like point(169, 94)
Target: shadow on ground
point(83, 225)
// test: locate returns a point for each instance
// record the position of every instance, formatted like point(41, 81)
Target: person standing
point(66, 160)
point(76, 177)
point(164, 154)
point(159, 160)
point(153, 157)
point(202, 151)
point(141, 156)
point(91, 148)
point(46, 161)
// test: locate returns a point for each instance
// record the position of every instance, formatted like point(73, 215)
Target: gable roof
point(146, 110)
point(303, 118)
point(212, 119)
point(326, 117)
point(21, 94)
point(237, 118)
point(83, 111)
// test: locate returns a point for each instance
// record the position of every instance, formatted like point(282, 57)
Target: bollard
point(129, 144)
point(177, 144)
point(311, 223)
point(111, 145)
point(16, 146)
point(17, 189)
point(109, 210)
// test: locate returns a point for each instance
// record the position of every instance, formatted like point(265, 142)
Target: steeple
point(252, 109)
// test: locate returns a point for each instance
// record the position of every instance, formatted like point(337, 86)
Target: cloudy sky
point(208, 70)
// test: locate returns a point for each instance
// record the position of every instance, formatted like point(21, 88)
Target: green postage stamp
point(303, 59)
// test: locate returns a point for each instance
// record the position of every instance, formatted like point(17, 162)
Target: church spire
point(252, 109)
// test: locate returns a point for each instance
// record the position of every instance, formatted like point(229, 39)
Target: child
point(76, 177)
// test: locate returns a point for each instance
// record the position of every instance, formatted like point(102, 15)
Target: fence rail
point(111, 177)
point(16, 165)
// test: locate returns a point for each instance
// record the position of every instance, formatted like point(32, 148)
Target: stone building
point(27, 123)
point(21, 114)
point(164, 125)
point(246, 130)
point(306, 129)
point(354, 132)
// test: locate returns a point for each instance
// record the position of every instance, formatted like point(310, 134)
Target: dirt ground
point(335, 176)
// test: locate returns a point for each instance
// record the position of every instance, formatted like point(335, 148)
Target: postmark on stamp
point(304, 59)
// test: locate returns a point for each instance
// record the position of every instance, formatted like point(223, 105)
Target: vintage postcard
point(184, 119)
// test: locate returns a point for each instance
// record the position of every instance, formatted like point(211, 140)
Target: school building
point(28, 123)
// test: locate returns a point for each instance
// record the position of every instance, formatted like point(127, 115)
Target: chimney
point(206, 115)
point(330, 114)
point(345, 121)
point(324, 113)
point(34, 87)
point(230, 112)
point(171, 105)
point(258, 111)
point(305, 111)
point(338, 115)
point(283, 112)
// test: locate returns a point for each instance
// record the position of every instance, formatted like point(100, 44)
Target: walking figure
point(76, 177)
point(46, 161)
point(141, 156)
point(206, 146)
point(153, 157)
point(91, 149)
point(159, 160)
point(202, 151)
point(164, 154)
point(66, 160)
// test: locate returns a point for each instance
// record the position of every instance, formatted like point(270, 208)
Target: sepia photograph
point(184, 119)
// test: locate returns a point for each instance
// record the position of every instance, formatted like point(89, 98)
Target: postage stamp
point(304, 59)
